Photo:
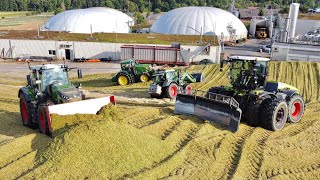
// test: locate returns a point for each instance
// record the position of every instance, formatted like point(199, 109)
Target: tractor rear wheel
point(43, 120)
point(144, 78)
point(275, 115)
point(172, 91)
point(188, 89)
point(26, 112)
point(296, 108)
point(123, 79)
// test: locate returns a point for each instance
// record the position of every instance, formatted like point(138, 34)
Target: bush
point(157, 11)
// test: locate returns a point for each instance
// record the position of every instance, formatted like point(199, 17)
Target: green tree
point(139, 18)
point(261, 12)
point(109, 3)
point(157, 11)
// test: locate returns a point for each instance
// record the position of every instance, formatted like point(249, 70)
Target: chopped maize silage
point(99, 146)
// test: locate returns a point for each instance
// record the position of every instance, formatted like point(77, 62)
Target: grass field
point(148, 141)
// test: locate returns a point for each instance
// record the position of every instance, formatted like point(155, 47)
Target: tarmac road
point(17, 69)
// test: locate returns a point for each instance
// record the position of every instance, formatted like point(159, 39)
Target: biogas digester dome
point(100, 19)
point(199, 20)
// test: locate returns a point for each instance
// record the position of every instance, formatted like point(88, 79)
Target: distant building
point(254, 11)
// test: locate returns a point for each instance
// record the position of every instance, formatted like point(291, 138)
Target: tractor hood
point(64, 93)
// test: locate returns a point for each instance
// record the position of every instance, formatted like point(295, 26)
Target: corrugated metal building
point(292, 52)
point(44, 49)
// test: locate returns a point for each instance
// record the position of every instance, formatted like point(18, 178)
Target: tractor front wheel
point(25, 111)
point(172, 91)
point(275, 115)
point(296, 108)
point(43, 120)
point(144, 78)
point(123, 79)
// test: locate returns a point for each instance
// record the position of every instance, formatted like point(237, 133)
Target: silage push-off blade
point(90, 106)
point(209, 109)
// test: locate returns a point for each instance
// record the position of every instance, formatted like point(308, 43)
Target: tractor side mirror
point(29, 80)
point(79, 74)
point(221, 65)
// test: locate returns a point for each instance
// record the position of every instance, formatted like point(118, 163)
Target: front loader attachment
point(90, 106)
point(210, 106)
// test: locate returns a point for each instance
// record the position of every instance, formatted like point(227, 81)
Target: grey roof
point(254, 11)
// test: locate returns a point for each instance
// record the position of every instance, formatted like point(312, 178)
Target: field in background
point(148, 141)
point(22, 20)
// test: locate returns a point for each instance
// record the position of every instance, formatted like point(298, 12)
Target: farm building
point(201, 21)
point(75, 50)
point(95, 20)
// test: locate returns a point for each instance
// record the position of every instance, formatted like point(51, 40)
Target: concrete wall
point(39, 49)
point(295, 52)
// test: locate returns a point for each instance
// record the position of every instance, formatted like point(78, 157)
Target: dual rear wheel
point(273, 113)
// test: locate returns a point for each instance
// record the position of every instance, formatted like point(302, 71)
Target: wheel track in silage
point(189, 135)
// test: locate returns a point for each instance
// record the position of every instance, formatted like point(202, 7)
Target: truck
point(167, 55)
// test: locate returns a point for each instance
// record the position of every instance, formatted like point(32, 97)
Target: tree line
point(140, 5)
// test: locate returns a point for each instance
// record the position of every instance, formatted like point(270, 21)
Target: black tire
point(155, 96)
point(43, 120)
point(296, 108)
point(26, 113)
point(275, 115)
point(254, 109)
point(172, 91)
point(122, 74)
point(143, 76)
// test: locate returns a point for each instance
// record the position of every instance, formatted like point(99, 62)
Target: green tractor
point(168, 83)
point(49, 91)
point(250, 97)
point(132, 71)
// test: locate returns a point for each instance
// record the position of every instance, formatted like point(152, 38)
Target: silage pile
point(98, 146)
point(152, 142)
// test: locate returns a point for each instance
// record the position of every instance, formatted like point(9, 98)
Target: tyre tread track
point(236, 154)
point(255, 158)
point(20, 157)
point(292, 171)
point(184, 142)
point(170, 130)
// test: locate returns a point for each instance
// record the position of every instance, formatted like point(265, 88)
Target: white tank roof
point(101, 19)
point(190, 20)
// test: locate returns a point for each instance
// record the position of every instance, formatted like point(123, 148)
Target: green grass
point(13, 13)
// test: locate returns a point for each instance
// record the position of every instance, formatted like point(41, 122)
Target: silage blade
point(90, 106)
point(212, 107)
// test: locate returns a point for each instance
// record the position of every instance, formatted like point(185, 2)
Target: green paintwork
point(129, 64)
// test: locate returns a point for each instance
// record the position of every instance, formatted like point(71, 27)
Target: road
point(14, 69)
point(250, 48)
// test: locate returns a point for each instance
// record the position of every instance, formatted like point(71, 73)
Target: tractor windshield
point(55, 75)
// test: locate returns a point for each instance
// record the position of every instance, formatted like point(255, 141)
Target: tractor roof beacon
point(250, 97)
point(49, 91)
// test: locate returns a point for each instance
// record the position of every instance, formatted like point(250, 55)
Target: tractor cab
point(163, 76)
point(248, 73)
point(52, 80)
